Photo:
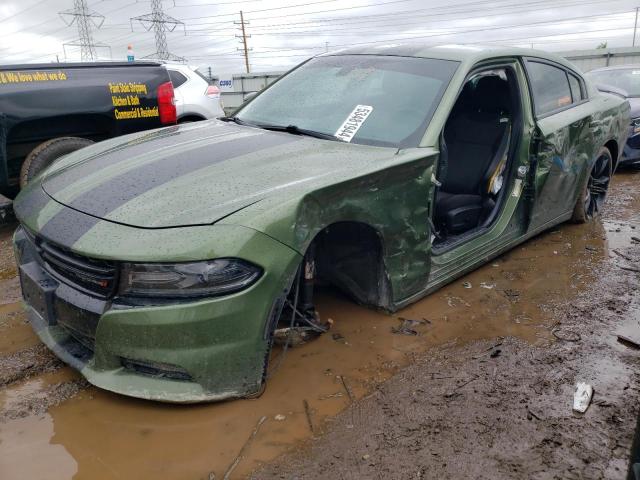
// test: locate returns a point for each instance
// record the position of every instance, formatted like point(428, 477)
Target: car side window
point(550, 87)
point(177, 78)
point(576, 89)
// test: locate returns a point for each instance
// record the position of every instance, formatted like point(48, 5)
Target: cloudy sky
point(285, 33)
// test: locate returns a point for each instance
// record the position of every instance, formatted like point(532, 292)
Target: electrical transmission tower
point(85, 19)
point(243, 40)
point(161, 23)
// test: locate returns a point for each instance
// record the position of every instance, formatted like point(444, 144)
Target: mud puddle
point(96, 434)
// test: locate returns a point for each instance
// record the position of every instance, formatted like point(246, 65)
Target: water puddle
point(15, 332)
point(100, 435)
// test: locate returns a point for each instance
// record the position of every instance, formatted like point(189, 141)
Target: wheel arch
point(350, 256)
point(190, 117)
point(614, 150)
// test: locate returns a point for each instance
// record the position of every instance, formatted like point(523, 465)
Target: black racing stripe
point(118, 154)
point(67, 227)
point(120, 189)
point(30, 203)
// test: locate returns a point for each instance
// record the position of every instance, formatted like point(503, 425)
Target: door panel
point(561, 152)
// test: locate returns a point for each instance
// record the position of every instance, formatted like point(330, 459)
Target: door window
point(550, 87)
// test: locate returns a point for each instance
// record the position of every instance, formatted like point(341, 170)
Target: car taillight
point(212, 92)
point(166, 104)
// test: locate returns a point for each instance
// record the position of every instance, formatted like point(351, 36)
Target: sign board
point(226, 84)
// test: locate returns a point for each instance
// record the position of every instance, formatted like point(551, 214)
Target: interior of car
point(476, 146)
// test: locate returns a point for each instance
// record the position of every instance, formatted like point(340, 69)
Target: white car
point(196, 98)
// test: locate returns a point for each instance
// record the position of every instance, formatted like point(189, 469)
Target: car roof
point(615, 67)
point(470, 54)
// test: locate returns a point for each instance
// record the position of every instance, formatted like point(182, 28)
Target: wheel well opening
point(612, 146)
point(191, 118)
point(349, 256)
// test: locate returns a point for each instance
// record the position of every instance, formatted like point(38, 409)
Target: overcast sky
point(285, 33)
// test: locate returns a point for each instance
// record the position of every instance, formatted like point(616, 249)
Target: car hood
point(197, 174)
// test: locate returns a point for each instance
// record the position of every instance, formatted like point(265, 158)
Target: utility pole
point(85, 19)
point(244, 37)
point(161, 23)
point(635, 29)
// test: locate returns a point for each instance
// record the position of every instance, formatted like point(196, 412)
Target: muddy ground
point(484, 390)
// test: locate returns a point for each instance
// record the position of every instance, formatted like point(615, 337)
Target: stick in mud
point(346, 388)
point(240, 455)
point(307, 412)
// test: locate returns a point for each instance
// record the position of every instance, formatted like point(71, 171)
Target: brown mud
point(423, 417)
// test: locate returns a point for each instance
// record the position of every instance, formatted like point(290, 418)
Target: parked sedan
point(162, 265)
point(196, 98)
point(623, 81)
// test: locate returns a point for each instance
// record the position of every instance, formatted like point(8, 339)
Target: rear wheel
point(592, 197)
point(46, 153)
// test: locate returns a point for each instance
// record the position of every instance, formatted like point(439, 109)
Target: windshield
point(366, 99)
point(628, 79)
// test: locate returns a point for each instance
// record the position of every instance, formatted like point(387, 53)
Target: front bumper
point(193, 351)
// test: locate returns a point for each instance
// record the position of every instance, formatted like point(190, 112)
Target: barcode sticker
point(354, 121)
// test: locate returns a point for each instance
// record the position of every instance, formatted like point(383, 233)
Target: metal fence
point(234, 88)
point(591, 59)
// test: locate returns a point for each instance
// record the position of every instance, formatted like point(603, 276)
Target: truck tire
point(46, 153)
point(592, 197)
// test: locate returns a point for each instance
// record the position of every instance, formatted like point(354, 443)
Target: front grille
point(95, 277)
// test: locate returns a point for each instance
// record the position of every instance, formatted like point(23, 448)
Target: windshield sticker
point(354, 121)
point(635, 72)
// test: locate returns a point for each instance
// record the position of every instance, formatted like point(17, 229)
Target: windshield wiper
point(298, 131)
point(232, 119)
point(294, 129)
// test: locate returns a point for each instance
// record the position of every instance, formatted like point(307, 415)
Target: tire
point(46, 153)
point(594, 193)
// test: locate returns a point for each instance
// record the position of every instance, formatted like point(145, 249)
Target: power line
point(161, 24)
point(20, 12)
point(85, 19)
point(389, 2)
point(429, 12)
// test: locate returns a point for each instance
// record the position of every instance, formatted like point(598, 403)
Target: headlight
point(195, 279)
point(635, 126)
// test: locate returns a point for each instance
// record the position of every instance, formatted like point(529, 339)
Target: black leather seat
point(476, 138)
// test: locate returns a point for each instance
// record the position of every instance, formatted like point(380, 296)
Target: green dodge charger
point(163, 264)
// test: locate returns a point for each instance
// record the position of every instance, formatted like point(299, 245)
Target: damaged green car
point(162, 264)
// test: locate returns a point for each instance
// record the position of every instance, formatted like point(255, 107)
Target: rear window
point(177, 78)
point(550, 87)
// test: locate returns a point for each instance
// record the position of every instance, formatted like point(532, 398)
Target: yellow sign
point(32, 77)
point(125, 96)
